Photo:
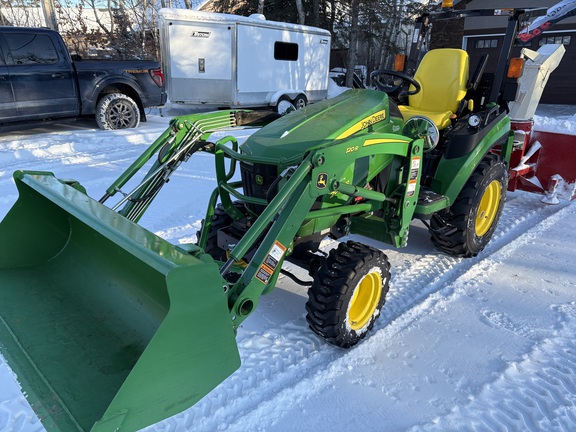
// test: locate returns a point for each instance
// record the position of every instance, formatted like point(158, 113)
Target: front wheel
point(117, 111)
point(220, 220)
point(466, 228)
point(348, 293)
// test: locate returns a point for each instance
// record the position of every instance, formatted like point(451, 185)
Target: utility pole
point(49, 14)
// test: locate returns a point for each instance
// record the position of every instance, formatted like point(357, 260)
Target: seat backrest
point(443, 76)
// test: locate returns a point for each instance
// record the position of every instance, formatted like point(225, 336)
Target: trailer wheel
point(348, 293)
point(117, 111)
point(467, 227)
point(300, 101)
point(284, 105)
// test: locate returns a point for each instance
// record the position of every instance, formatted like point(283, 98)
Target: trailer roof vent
point(259, 17)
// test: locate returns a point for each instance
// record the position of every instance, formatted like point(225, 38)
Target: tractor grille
point(256, 182)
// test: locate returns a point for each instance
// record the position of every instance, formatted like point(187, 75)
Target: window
point(564, 40)
point(486, 43)
point(29, 48)
point(285, 51)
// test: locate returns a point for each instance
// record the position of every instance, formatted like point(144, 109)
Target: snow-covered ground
point(483, 344)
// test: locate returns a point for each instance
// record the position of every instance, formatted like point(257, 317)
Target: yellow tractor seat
point(443, 78)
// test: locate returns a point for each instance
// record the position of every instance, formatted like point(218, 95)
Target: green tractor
point(109, 327)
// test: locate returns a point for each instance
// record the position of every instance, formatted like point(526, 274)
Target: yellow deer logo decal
point(321, 180)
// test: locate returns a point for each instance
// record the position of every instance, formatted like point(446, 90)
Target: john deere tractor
point(110, 327)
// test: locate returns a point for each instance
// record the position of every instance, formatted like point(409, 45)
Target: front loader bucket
point(107, 326)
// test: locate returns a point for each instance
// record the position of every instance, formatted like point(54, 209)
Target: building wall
point(481, 23)
point(485, 36)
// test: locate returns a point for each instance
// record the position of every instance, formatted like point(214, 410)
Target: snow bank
point(557, 119)
point(560, 125)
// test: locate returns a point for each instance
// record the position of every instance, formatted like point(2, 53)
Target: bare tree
point(316, 13)
point(50, 14)
point(352, 47)
point(300, 9)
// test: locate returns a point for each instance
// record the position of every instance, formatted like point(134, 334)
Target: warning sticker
point(264, 274)
point(411, 189)
point(415, 168)
point(271, 262)
point(413, 177)
point(275, 255)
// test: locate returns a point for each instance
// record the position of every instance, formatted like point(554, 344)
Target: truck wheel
point(117, 111)
point(348, 293)
point(466, 228)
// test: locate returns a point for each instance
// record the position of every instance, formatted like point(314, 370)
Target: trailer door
point(200, 62)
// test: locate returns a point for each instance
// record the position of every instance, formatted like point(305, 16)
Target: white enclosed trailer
point(234, 61)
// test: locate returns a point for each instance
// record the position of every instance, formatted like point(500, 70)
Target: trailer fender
point(292, 94)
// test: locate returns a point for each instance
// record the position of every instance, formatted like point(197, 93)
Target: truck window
point(285, 51)
point(27, 48)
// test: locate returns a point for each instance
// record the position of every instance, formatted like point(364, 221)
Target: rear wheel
point(300, 101)
point(467, 227)
point(348, 293)
point(117, 111)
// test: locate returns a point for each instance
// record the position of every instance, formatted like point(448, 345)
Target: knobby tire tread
point(326, 310)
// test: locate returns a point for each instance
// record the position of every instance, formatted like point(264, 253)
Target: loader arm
point(184, 136)
point(319, 174)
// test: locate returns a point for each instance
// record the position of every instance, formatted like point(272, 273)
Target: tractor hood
point(287, 139)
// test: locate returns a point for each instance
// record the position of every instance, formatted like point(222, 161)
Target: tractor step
point(430, 202)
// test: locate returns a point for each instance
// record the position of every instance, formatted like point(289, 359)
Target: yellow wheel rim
point(365, 300)
point(488, 208)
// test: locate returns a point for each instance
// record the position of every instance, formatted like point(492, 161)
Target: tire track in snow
point(287, 354)
point(538, 392)
point(535, 394)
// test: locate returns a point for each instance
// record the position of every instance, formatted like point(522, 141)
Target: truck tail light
point(157, 77)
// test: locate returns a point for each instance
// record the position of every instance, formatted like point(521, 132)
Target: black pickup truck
point(40, 81)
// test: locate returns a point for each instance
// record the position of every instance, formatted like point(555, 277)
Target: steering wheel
point(392, 82)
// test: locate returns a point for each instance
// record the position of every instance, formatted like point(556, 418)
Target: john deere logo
point(259, 180)
point(322, 180)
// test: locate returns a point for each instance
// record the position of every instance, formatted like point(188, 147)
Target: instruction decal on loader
point(271, 262)
point(413, 178)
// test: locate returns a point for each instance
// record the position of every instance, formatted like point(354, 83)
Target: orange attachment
point(399, 62)
point(516, 67)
